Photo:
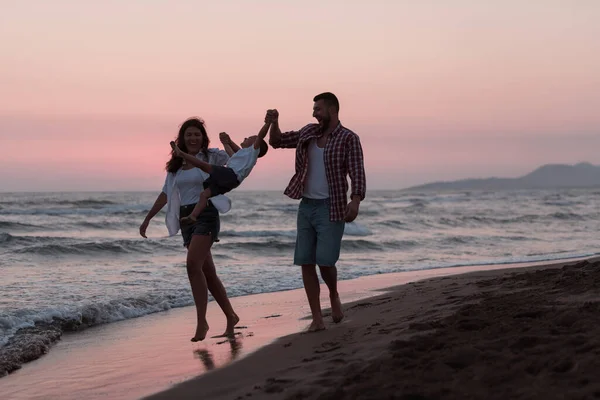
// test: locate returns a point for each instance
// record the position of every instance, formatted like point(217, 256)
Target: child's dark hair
point(264, 147)
point(175, 162)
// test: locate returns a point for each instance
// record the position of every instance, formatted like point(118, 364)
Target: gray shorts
point(207, 223)
point(318, 239)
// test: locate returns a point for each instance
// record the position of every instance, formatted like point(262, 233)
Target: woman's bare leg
point(216, 288)
point(198, 251)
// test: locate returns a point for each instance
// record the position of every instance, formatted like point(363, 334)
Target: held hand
point(176, 149)
point(272, 116)
point(224, 138)
point(351, 211)
point(143, 228)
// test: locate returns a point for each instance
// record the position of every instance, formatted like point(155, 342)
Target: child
point(225, 179)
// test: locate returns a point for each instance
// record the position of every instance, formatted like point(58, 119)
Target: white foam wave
point(91, 314)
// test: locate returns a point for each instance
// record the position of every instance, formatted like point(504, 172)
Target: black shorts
point(221, 180)
point(207, 223)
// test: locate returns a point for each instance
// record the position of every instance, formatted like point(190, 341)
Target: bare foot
point(232, 321)
point(190, 219)
point(336, 309)
point(201, 331)
point(316, 326)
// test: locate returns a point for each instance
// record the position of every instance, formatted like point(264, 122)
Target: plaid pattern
point(343, 156)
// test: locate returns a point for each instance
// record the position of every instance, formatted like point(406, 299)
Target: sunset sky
point(91, 92)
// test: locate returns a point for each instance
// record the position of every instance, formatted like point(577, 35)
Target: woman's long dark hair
point(175, 162)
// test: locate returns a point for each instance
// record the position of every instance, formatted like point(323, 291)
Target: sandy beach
point(505, 334)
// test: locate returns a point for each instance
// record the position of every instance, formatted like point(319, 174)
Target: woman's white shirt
point(190, 183)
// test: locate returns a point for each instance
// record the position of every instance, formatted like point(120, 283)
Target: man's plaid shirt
point(343, 156)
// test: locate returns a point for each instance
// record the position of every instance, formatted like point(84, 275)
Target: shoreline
point(31, 343)
point(138, 357)
point(447, 316)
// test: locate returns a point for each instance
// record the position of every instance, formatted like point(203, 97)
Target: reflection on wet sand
point(206, 356)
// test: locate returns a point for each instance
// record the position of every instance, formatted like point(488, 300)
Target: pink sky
point(92, 92)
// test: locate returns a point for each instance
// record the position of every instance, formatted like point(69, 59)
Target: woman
point(183, 185)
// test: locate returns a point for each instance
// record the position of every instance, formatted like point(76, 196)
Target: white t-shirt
point(315, 183)
point(243, 161)
point(190, 184)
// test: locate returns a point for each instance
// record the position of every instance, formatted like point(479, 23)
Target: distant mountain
point(545, 177)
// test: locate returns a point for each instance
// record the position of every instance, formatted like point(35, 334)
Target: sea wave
point(28, 334)
point(518, 219)
point(46, 201)
point(17, 226)
point(52, 246)
point(395, 224)
point(116, 209)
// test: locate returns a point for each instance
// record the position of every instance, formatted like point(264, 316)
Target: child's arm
point(262, 134)
point(204, 166)
point(230, 147)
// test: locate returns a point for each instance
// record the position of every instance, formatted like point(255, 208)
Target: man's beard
point(325, 123)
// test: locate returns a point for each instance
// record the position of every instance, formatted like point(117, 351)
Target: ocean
point(73, 260)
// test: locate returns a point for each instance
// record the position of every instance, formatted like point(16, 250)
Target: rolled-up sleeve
point(356, 167)
point(288, 140)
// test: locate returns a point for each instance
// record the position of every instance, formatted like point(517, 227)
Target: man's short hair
point(329, 99)
point(264, 147)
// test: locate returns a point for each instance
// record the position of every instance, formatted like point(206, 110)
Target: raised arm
point(261, 134)
point(287, 140)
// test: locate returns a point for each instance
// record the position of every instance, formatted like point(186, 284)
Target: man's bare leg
point(200, 206)
point(312, 288)
point(329, 275)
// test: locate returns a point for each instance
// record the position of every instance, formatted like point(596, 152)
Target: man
point(326, 153)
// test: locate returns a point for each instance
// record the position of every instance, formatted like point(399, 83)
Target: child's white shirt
point(243, 161)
